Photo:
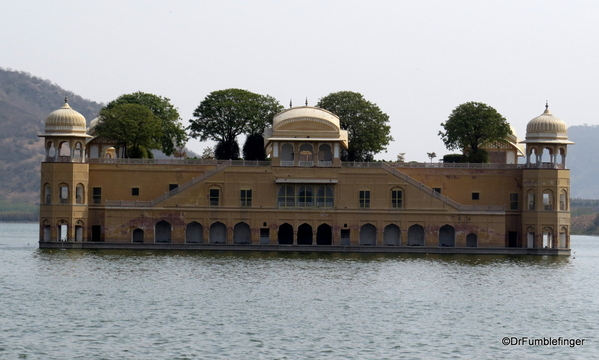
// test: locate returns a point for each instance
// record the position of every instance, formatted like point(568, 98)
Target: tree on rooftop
point(225, 114)
point(172, 133)
point(471, 125)
point(367, 126)
point(133, 127)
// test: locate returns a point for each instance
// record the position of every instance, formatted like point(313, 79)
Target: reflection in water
point(115, 304)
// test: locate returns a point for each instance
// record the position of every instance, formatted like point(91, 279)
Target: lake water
point(90, 304)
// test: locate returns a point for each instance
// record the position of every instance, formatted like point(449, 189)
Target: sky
point(417, 60)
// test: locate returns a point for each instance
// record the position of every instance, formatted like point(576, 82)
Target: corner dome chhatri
point(65, 121)
point(546, 127)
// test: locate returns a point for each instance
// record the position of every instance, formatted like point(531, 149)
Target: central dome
point(65, 121)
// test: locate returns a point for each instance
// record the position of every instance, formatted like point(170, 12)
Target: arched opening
point(324, 196)
point(163, 232)
point(63, 193)
point(547, 238)
point(562, 157)
point(531, 200)
point(218, 233)
point(287, 153)
point(471, 240)
point(138, 235)
point(286, 196)
point(368, 235)
point(547, 200)
point(64, 150)
point(304, 234)
point(78, 151)
point(416, 235)
point(446, 236)
point(563, 238)
point(563, 200)
point(47, 229)
point(530, 237)
point(325, 155)
point(79, 195)
point(285, 234)
point(392, 235)
point(94, 152)
point(324, 235)
point(306, 154)
point(304, 196)
point(242, 234)
point(194, 233)
point(63, 231)
point(79, 231)
point(47, 193)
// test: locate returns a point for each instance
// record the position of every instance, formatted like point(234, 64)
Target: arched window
point(218, 233)
point(79, 230)
point(324, 196)
point(287, 154)
point(563, 200)
point(63, 193)
point(78, 150)
point(563, 237)
point(530, 237)
point(471, 240)
point(79, 195)
point(64, 150)
point(547, 200)
point(286, 196)
point(547, 238)
point(306, 152)
point(531, 200)
point(62, 233)
point(47, 193)
point(138, 235)
point(325, 155)
point(304, 196)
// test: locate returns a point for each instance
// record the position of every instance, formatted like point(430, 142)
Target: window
point(324, 196)
point(79, 194)
point(304, 196)
point(246, 197)
point(286, 197)
point(531, 200)
point(563, 201)
point(97, 195)
point(214, 197)
point(547, 200)
point(135, 191)
point(48, 194)
point(475, 196)
point(63, 193)
point(437, 190)
point(364, 198)
point(172, 187)
point(397, 199)
point(514, 201)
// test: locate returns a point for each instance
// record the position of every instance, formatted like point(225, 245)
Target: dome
point(546, 127)
point(65, 121)
point(306, 114)
point(92, 125)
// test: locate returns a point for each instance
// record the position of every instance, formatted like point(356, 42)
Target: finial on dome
point(306, 101)
point(290, 103)
point(546, 104)
point(66, 100)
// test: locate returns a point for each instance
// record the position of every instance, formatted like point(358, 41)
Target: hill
point(25, 101)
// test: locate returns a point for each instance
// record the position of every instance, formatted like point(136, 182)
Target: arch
point(194, 233)
point(287, 152)
point(324, 235)
point(416, 235)
point(563, 200)
point(368, 235)
point(163, 231)
point(138, 235)
point(218, 233)
point(78, 150)
point(547, 238)
point(64, 149)
point(62, 230)
point(325, 154)
point(63, 193)
point(392, 235)
point(547, 200)
point(531, 200)
point(471, 240)
point(80, 194)
point(305, 197)
point(285, 234)
point(446, 236)
point(47, 230)
point(94, 151)
point(47, 193)
point(79, 231)
point(530, 237)
point(304, 234)
point(242, 234)
point(306, 152)
point(563, 237)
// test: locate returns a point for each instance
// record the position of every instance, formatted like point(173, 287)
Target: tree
point(471, 125)
point(366, 125)
point(253, 149)
point(172, 131)
point(431, 156)
point(133, 127)
point(225, 114)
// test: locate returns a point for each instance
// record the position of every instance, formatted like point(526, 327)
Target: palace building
point(304, 198)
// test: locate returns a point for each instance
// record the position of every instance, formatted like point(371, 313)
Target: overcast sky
point(417, 60)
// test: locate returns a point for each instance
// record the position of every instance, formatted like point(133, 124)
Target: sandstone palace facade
point(305, 198)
